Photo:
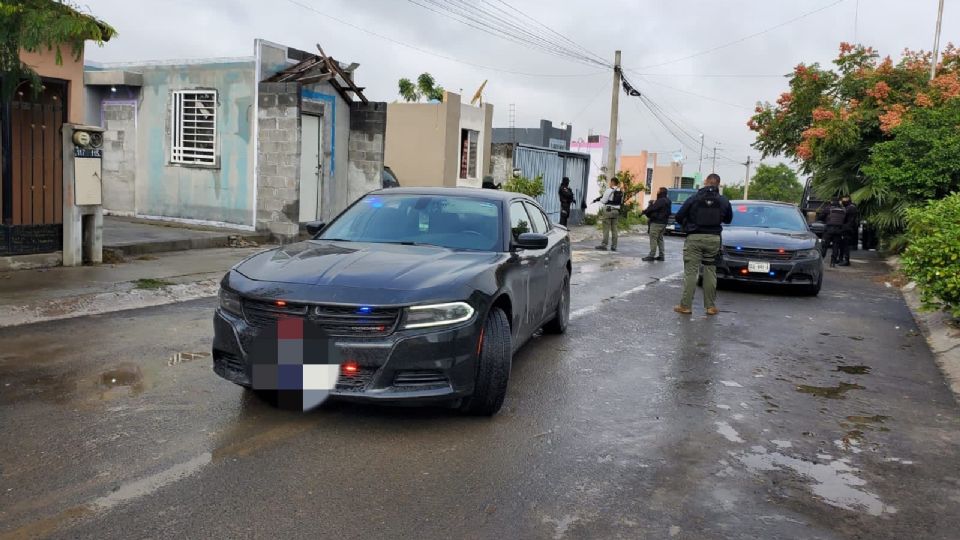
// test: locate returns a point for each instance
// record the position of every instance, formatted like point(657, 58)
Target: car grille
point(420, 378)
point(335, 320)
point(762, 254)
point(356, 382)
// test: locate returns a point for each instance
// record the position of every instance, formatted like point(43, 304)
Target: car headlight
point(809, 254)
point(437, 315)
point(230, 302)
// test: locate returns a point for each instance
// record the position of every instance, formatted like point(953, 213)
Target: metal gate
point(33, 183)
point(553, 165)
point(37, 160)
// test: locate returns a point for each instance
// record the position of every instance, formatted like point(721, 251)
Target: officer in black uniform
point(851, 228)
point(833, 217)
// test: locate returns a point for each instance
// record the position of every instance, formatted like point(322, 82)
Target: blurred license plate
point(758, 266)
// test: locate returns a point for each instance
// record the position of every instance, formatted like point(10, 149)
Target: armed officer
point(851, 226)
point(702, 217)
point(659, 215)
point(610, 203)
point(834, 218)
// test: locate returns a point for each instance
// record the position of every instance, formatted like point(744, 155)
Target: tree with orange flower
point(864, 126)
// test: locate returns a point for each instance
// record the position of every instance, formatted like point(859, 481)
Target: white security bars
point(193, 131)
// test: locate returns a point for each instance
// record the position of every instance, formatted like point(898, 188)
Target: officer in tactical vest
point(851, 228)
point(610, 203)
point(834, 238)
point(702, 217)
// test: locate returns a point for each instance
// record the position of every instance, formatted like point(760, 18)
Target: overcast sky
point(728, 81)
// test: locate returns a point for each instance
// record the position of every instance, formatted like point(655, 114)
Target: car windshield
point(679, 196)
point(768, 217)
point(450, 222)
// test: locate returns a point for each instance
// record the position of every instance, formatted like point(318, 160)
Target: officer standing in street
point(851, 226)
point(702, 218)
point(833, 217)
point(610, 203)
point(658, 213)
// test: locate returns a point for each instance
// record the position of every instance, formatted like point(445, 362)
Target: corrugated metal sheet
point(553, 165)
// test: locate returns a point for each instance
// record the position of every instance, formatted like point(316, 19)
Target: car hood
point(366, 266)
point(751, 237)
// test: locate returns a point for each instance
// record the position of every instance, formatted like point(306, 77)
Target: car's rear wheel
point(493, 367)
point(561, 319)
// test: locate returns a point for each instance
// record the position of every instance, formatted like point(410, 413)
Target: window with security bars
point(194, 127)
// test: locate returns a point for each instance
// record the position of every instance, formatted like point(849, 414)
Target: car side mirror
point(817, 227)
point(531, 241)
point(314, 227)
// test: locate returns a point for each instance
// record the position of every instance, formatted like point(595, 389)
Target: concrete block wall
point(278, 160)
point(368, 127)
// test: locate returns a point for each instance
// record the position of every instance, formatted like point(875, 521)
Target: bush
point(590, 219)
point(521, 184)
point(932, 258)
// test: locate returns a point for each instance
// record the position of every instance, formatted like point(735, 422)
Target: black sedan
point(420, 295)
point(770, 242)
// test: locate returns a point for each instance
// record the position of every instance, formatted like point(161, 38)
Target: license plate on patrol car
point(754, 266)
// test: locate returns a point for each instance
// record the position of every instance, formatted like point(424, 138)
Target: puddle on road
point(126, 379)
point(855, 370)
point(835, 483)
point(829, 392)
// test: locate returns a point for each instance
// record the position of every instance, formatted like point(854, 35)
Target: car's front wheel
point(493, 367)
point(814, 290)
point(561, 318)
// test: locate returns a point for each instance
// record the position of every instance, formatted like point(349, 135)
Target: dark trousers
point(834, 239)
point(564, 215)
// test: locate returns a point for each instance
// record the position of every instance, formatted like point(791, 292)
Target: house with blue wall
point(265, 142)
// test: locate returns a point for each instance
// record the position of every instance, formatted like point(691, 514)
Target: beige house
point(439, 144)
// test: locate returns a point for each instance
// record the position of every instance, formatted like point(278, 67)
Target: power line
point(551, 30)
point(482, 21)
point(431, 53)
point(744, 38)
point(701, 96)
point(711, 75)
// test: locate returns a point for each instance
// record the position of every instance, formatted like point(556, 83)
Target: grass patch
point(151, 283)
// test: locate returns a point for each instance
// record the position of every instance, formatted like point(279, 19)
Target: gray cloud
point(648, 32)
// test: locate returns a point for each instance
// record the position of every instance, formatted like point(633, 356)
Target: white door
point(311, 168)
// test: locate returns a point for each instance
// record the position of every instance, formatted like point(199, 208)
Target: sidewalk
point(127, 237)
point(30, 296)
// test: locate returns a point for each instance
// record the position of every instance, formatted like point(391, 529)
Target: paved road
point(785, 417)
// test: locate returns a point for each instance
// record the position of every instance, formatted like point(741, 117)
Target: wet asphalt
point(784, 417)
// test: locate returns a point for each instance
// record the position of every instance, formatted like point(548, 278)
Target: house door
point(311, 167)
point(37, 179)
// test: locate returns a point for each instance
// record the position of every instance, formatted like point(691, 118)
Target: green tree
point(527, 186)
point(733, 193)
point(408, 90)
point(425, 88)
point(775, 183)
point(37, 25)
point(832, 121)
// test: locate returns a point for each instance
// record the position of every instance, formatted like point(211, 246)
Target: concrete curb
point(208, 242)
point(127, 296)
point(942, 337)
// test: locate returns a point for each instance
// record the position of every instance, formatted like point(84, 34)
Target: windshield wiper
point(335, 239)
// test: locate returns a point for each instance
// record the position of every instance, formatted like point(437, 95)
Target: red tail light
point(350, 368)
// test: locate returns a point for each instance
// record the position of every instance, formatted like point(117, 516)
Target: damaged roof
point(322, 68)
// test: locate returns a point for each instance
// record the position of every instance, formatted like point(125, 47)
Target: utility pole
point(614, 111)
point(746, 183)
point(700, 166)
point(713, 169)
point(936, 42)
